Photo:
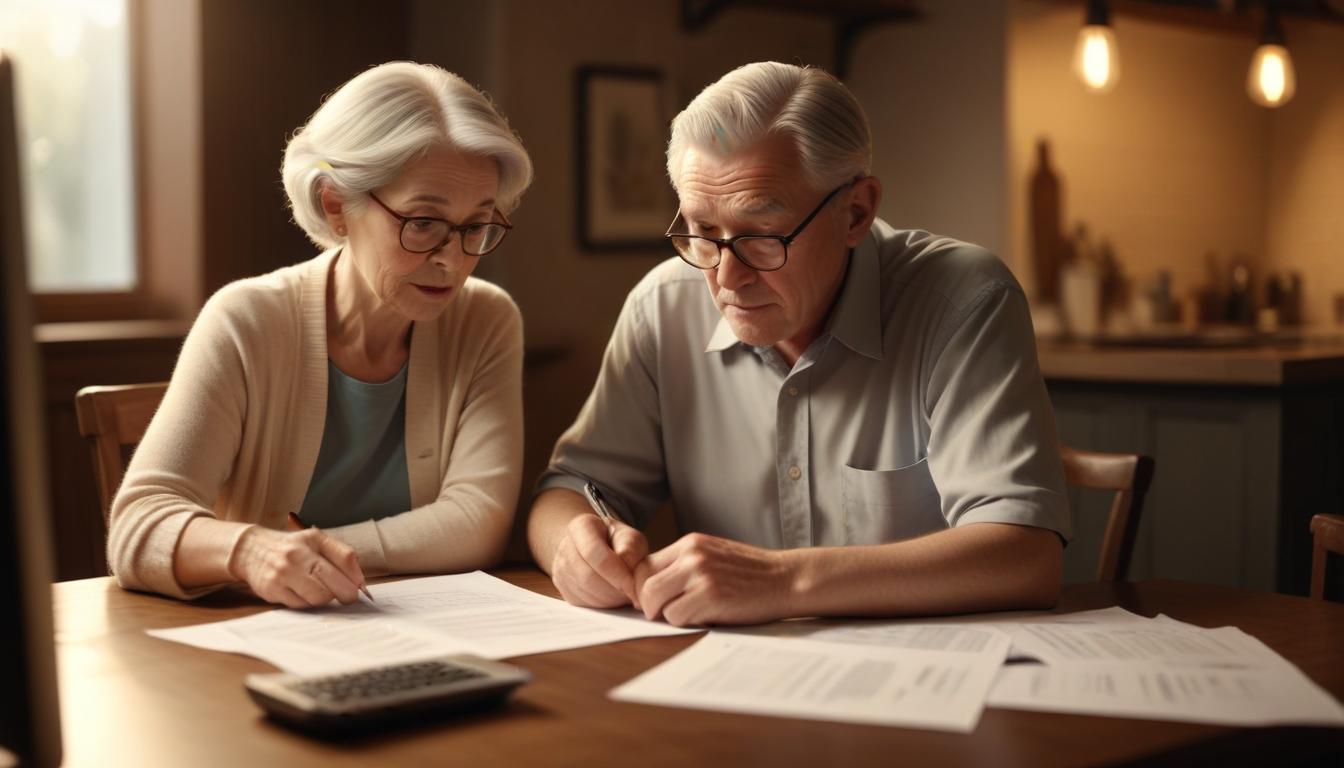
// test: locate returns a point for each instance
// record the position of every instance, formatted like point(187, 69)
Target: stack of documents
point(1161, 669)
point(418, 619)
point(937, 673)
point(941, 673)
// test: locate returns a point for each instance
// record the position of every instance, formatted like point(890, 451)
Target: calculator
point(409, 690)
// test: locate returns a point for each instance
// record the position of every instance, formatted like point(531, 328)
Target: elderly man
point(850, 421)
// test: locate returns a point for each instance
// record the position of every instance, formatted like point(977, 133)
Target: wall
point(265, 68)
point(934, 91)
point(1170, 165)
point(169, 144)
point(1306, 189)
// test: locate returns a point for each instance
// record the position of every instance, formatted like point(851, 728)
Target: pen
point(295, 522)
point(599, 506)
point(609, 518)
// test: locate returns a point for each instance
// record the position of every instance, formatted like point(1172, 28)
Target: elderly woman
point(359, 413)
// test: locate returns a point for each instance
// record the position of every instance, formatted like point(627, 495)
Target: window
point(73, 72)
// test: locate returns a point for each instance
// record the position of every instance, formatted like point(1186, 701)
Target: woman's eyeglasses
point(427, 234)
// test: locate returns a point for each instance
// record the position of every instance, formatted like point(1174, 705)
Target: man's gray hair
point(366, 133)
point(754, 101)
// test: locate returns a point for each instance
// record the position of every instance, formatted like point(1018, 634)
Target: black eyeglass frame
point(731, 242)
point(460, 230)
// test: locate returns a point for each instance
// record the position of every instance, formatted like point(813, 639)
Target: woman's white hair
point(754, 101)
point(367, 132)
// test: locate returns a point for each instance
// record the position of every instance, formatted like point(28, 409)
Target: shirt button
point(795, 473)
point(793, 391)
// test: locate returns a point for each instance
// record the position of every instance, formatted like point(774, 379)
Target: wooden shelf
point(1243, 17)
point(850, 18)
point(110, 330)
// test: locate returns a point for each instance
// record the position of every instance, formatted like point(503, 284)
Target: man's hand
point(702, 580)
point(303, 569)
point(594, 570)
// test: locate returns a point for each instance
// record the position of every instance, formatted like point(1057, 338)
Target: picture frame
point(624, 200)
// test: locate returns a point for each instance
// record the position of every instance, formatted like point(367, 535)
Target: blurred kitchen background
point(1179, 227)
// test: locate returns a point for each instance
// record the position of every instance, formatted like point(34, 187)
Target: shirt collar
point(855, 320)
point(723, 337)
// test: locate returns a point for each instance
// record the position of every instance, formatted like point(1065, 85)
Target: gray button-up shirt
point(920, 407)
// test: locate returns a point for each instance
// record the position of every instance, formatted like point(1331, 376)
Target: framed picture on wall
point(624, 199)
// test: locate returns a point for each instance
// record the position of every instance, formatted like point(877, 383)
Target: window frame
point(167, 279)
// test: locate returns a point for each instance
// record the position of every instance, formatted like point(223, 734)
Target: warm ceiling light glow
point(1096, 57)
point(1270, 82)
point(1096, 61)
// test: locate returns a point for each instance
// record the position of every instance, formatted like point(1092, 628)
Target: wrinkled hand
point(701, 580)
point(303, 569)
point(591, 570)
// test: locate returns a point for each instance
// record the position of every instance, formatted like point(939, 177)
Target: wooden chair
point(1129, 475)
point(1327, 535)
point(114, 420)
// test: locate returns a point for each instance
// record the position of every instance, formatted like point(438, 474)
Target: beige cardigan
point(238, 432)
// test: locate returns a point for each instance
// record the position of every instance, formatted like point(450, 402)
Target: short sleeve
point(993, 450)
point(616, 441)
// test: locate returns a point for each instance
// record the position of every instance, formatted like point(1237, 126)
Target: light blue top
point(361, 468)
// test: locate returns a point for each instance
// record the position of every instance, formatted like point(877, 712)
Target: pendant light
point(1271, 81)
point(1096, 58)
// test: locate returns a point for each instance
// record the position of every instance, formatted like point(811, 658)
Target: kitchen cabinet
point(1248, 446)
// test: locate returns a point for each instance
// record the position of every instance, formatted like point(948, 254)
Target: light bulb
point(1270, 81)
point(1096, 59)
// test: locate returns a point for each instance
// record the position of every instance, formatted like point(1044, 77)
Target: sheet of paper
point(1269, 695)
point(1167, 670)
point(965, 633)
point(1167, 642)
point(416, 619)
point(844, 682)
point(888, 634)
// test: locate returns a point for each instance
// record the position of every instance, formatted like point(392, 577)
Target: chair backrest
point(1327, 535)
point(113, 419)
point(1129, 475)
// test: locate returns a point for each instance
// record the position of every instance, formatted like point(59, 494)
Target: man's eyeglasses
point(763, 253)
point(426, 234)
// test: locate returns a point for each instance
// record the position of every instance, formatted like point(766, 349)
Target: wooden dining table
point(129, 699)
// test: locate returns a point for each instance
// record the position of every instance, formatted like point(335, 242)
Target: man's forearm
point(977, 567)
point(546, 522)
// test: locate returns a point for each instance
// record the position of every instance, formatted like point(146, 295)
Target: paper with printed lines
point(818, 680)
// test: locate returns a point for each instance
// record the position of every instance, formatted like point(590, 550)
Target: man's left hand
point(702, 580)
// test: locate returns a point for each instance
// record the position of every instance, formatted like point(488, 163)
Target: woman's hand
point(300, 569)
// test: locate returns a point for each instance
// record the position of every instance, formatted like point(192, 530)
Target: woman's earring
point(340, 231)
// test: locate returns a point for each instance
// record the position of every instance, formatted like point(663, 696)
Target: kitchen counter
point(1246, 440)
point(1268, 366)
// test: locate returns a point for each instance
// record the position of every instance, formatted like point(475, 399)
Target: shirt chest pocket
point(883, 505)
